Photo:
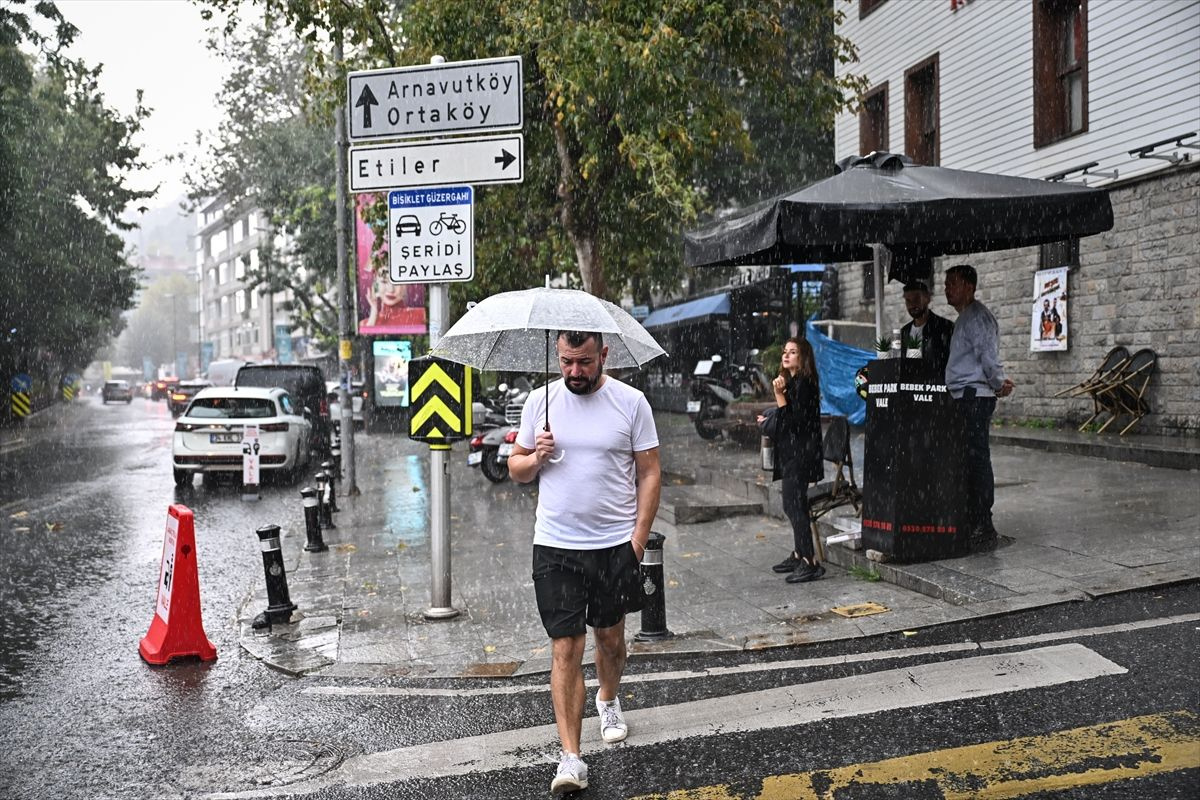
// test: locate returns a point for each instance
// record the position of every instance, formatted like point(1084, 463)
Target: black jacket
point(798, 437)
point(935, 341)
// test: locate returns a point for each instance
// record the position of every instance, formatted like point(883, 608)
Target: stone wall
point(1137, 285)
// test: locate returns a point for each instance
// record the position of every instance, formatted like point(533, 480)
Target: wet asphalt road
point(82, 509)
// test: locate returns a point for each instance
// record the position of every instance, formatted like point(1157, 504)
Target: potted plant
point(883, 347)
point(912, 347)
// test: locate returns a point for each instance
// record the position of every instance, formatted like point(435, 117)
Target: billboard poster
point(283, 344)
point(1048, 320)
point(384, 308)
point(391, 372)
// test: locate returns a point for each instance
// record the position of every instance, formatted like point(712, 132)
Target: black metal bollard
point(279, 604)
point(323, 500)
point(312, 525)
point(327, 468)
point(335, 455)
point(654, 601)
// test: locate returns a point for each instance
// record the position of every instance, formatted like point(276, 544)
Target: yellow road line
point(1011, 768)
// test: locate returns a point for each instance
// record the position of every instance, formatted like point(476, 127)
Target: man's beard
point(582, 385)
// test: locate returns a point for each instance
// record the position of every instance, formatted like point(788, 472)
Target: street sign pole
point(439, 473)
point(345, 351)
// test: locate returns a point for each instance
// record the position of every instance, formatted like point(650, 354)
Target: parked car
point(306, 385)
point(358, 395)
point(208, 437)
point(182, 394)
point(116, 391)
point(161, 388)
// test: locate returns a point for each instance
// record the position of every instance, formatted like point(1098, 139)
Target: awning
point(691, 311)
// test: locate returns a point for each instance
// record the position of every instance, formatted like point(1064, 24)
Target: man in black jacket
point(933, 331)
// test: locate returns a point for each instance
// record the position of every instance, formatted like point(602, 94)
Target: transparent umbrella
point(511, 331)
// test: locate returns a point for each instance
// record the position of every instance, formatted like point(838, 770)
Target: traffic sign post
point(430, 99)
point(250, 462)
point(432, 235)
point(484, 159)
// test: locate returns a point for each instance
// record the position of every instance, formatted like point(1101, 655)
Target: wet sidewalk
point(1073, 527)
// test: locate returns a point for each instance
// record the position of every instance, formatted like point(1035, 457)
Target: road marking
point(785, 706)
point(1009, 768)
point(768, 666)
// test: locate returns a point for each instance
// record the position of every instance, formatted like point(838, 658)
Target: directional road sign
point(431, 235)
point(457, 97)
point(486, 159)
point(440, 411)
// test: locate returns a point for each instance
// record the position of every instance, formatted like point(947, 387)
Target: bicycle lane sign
point(431, 234)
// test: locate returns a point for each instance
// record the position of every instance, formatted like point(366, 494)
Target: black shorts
point(585, 587)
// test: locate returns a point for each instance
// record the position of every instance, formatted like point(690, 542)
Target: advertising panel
point(384, 308)
point(391, 372)
point(1048, 322)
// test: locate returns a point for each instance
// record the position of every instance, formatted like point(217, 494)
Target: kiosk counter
point(914, 505)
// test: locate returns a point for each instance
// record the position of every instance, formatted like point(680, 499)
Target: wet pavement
point(1073, 527)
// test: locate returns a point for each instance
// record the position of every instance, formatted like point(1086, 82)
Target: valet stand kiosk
point(914, 487)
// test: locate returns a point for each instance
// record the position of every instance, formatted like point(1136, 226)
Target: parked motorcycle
point(492, 443)
point(715, 384)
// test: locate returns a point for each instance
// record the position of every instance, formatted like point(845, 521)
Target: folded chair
point(842, 490)
point(1112, 363)
point(1126, 393)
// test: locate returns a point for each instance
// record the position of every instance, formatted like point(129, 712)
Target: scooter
point(497, 432)
point(715, 385)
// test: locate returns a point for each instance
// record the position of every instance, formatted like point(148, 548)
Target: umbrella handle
point(561, 455)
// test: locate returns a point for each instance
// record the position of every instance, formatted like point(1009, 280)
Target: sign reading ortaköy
point(431, 235)
point(457, 97)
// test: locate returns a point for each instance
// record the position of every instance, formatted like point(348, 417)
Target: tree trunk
point(580, 231)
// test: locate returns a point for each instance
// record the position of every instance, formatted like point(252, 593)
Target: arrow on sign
point(366, 99)
point(504, 159)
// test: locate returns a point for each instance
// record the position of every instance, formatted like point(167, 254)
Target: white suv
point(208, 437)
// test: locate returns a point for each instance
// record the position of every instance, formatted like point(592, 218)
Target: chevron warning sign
point(440, 400)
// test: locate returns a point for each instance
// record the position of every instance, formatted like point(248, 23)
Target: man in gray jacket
point(975, 378)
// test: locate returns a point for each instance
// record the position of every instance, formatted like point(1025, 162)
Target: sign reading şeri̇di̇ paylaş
point(431, 234)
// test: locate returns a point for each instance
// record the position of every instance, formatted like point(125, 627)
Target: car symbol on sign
point(408, 224)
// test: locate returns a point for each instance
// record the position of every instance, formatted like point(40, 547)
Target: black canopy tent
point(886, 201)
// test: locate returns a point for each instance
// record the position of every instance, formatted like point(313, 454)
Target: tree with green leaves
point(64, 158)
point(640, 117)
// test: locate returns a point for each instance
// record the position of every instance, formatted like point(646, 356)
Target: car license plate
point(693, 407)
point(474, 459)
point(225, 438)
point(505, 450)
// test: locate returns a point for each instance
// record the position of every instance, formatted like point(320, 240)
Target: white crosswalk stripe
point(919, 685)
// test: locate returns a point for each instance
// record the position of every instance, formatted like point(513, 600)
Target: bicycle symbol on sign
point(449, 222)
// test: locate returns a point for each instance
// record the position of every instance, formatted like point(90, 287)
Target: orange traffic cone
point(177, 630)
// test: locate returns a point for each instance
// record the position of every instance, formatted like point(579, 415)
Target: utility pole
point(345, 352)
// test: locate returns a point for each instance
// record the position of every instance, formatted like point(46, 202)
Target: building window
point(867, 6)
point(921, 140)
point(873, 121)
point(239, 300)
point(239, 268)
point(1060, 94)
point(253, 299)
point(222, 273)
point(225, 307)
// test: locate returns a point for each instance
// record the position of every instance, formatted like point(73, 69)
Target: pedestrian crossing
point(786, 706)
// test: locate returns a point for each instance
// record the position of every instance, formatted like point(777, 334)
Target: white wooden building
point(1075, 90)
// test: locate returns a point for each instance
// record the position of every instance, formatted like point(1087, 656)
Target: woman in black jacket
point(798, 452)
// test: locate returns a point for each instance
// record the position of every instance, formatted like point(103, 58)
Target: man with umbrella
point(596, 502)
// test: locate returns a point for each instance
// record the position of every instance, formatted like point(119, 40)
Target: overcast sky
point(156, 46)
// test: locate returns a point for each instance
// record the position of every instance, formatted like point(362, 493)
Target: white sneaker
point(571, 776)
point(612, 723)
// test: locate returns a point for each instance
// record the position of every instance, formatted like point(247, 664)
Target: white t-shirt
point(588, 500)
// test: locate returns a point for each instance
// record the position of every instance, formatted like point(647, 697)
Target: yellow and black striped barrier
point(440, 400)
point(20, 400)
